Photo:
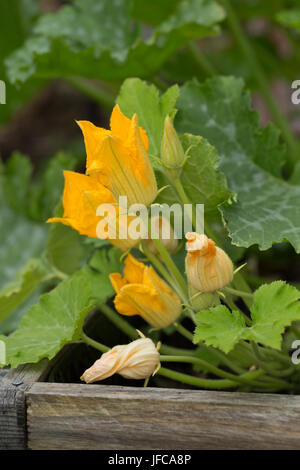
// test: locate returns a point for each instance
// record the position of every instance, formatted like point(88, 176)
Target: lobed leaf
point(58, 317)
point(267, 208)
point(274, 308)
point(98, 40)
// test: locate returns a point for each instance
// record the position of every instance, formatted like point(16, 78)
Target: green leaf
point(64, 249)
point(220, 328)
point(97, 40)
point(57, 319)
point(290, 18)
point(48, 185)
point(36, 198)
point(15, 21)
point(200, 177)
point(27, 280)
point(267, 208)
point(153, 12)
point(274, 308)
point(20, 239)
point(144, 100)
point(50, 324)
point(16, 182)
point(107, 261)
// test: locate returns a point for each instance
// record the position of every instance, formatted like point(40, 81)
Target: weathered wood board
point(13, 385)
point(66, 416)
point(41, 415)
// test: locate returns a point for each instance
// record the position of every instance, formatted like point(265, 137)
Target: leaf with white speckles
point(98, 39)
point(267, 210)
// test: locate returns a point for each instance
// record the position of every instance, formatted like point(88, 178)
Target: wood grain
point(12, 404)
point(69, 416)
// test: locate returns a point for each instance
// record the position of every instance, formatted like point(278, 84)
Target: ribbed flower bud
point(208, 267)
point(136, 360)
point(171, 152)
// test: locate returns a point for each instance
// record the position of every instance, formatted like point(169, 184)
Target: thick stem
point(242, 379)
point(196, 381)
point(201, 59)
point(118, 321)
point(262, 82)
point(160, 267)
point(96, 92)
point(95, 344)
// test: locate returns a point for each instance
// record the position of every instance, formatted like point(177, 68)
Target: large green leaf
point(97, 40)
point(274, 308)
point(267, 207)
point(151, 108)
point(26, 281)
point(20, 239)
point(58, 317)
point(290, 18)
point(202, 181)
point(15, 21)
point(64, 249)
point(36, 198)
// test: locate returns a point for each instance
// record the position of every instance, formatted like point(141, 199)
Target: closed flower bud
point(163, 231)
point(136, 360)
point(172, 153)
point(208, 267)
point(202, 300)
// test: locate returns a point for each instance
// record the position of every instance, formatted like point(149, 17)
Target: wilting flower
point(140, 291)
point(164, 232)
point(172, 153)
point(208, 267)
point(136, 360)
point(117, 165)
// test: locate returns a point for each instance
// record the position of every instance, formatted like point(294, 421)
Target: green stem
point(201, 59)
point(270, 370)
point(118, 321)
point(215, 370)
point(172, 267)
point(262, 82)
point(238, 293)
point(242, 379)
point(196, 381)
point(93, 343)
point(96, 92)
point(160, 267)
point(184, 332)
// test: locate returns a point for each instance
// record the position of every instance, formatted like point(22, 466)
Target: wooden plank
point(71, 416)
point(12, 403)
point(3, 372)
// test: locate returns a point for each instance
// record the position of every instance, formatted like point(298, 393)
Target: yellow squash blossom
point(136, 360)
point(117, 165)
point(119, 158)
point(208, 267)
point(140, 291)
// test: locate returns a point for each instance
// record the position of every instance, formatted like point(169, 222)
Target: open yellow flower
point(119, 158)
point(140, 291)
point(117, 165)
